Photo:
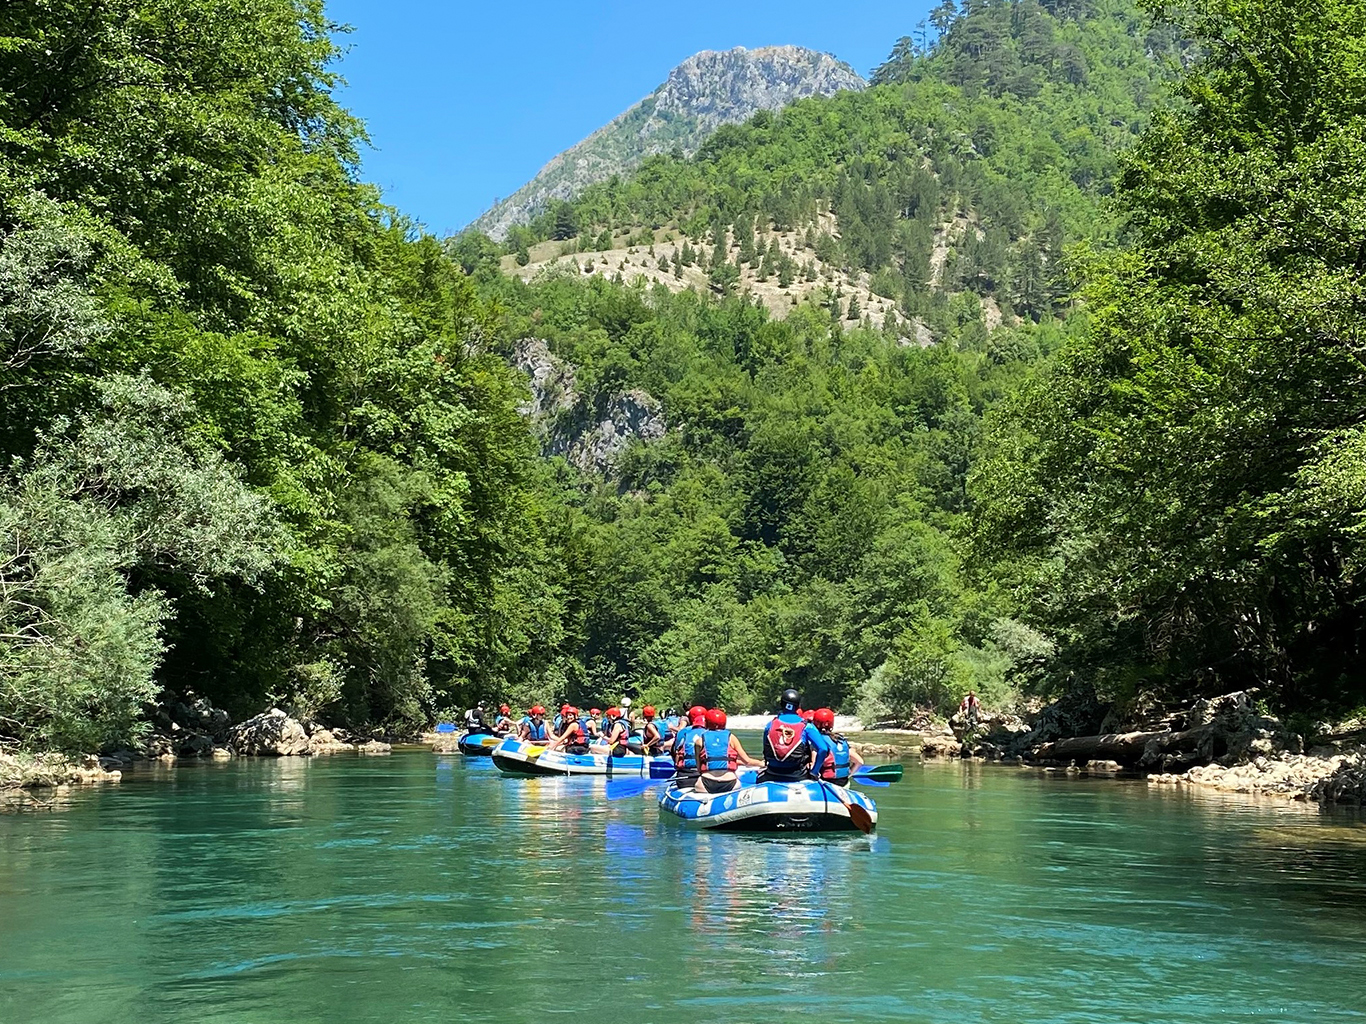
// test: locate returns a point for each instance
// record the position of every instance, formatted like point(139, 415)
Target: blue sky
point(465, 101)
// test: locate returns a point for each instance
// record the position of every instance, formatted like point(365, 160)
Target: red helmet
point(503, 709)
point(824, 718)
point(648, 711)
point(715, 718)
point(595, 712)
point(808, 715)
point(566, 708)
point(695, 714)
point(614, 712)
point(536, 710)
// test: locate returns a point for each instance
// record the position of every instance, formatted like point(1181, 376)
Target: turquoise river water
point(420, 887)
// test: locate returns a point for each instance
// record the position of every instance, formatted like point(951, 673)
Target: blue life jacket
point(661, 729)
point(558, 721)
point(685, 758)
point(716, 745)
point(536, 731)
point(835, 766)
point(788, 742)
point(583, 724)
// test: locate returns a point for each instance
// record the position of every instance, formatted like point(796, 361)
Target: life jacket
point(535, 730)
point(787, 750)
point(835, 767)
point(576, 735)
point(661, 736)
point(619, 737)
point(558, 722)
point(716, 751)
point(685, 758)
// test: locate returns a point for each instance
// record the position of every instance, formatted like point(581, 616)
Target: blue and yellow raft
point(516, 757)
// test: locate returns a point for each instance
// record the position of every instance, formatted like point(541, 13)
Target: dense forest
point(261, 435)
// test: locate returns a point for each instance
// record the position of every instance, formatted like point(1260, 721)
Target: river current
point(419, 887)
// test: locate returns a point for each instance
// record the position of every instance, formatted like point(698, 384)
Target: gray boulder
point(270, 734)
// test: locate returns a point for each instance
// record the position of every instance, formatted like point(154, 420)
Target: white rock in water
point(272, 733)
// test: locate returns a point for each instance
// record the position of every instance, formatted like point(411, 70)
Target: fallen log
point(1127, 747)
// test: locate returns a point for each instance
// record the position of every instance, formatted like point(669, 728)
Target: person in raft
point(572, 737)
point(531, 728)
point(718, 752)
point(616, 735)
point(655, 731)
point(842, 761)
point(685, 754)
point(793, 747)
point(595, 723)
point(502, 725)
point(474, 719)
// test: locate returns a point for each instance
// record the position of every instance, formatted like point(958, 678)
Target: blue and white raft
point(805, 805)
point(477, 744)
point(516, 757)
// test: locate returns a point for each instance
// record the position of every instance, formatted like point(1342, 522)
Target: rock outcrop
point(52, 771)
point(1340, 778)
point(707, 90)
point(627, 416)
point(591, 434)
point(271, 733)
point(552, 380)
point(183, 725)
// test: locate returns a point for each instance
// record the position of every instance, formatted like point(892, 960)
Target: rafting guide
point(793, 746)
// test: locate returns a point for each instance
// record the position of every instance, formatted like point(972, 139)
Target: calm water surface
point(425, 888)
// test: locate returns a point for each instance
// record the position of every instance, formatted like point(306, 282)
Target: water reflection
point(427, 889)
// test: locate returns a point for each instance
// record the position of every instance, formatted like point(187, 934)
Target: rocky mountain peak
point(707, 90)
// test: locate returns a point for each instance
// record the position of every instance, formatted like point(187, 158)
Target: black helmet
point(791, 700)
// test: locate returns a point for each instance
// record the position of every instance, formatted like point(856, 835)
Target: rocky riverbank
point(1335, 778)
point(23, 774)
point(1223, 743)
point(184, 728)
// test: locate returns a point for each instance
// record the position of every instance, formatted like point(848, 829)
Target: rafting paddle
point(620, 789)
point(882, 772)
point(864, 780)
point(863, 821)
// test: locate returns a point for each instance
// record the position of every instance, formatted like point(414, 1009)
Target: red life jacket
point(786, 748)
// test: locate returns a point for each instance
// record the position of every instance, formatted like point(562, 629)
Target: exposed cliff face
point(591, 435)
point(707, 90)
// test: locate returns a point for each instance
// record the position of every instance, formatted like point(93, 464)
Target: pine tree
point(785, 268)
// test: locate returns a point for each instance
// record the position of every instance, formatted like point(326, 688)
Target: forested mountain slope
point(261, 438)
point(827, 301)
point(707, 90)
point(968, 168)
point(1149, 485)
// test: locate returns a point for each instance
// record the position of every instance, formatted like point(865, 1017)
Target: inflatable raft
point(802, 806)
point(516, 757)
point(477, 744)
